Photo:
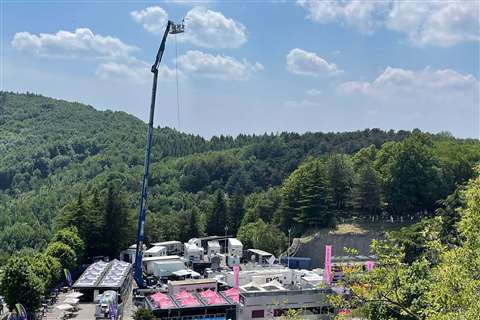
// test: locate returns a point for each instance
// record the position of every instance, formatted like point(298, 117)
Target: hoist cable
point(176, 78)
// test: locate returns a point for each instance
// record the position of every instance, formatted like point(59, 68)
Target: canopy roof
point(104, 275)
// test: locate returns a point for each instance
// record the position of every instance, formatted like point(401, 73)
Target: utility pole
point(226, 229)
point(288, 249)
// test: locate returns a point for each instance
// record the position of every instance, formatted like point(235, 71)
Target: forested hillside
point(64, 164)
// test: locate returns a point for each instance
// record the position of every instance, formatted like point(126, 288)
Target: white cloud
point(217, 66)
point(435, 23)
point(188, 2)
point(203, 27)
point(309, 64)
point(153, 19)
point(356, 13)
point(211, 29)
point(138, 73)
point(301, 103)
point(82, 43)
point(397, 81)
point(314, 92)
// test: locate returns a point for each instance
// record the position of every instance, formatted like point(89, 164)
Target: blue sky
point(256, 66)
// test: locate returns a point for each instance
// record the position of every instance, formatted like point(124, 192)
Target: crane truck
point(171, 28)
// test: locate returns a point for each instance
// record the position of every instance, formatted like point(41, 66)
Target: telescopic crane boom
point(138, 275)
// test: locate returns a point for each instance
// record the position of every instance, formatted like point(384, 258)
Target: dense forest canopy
point(66, 164)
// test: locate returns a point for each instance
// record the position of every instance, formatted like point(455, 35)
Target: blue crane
point(171, 28)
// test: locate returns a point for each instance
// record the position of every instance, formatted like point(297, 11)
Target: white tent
point(72, 301)
point(74, 295)
point(64, 307)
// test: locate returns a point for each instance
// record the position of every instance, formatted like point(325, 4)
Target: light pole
point(288, 249)
point(226, 229)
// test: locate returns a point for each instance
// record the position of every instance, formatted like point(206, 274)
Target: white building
point(235, 247)
point(192, 252)
point(213, 247)
point(156, 251)
point(261, 275)
point(272, 300)
point(173, 247)
point(149, 263)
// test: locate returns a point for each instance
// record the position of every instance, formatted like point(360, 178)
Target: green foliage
point(217, 219)
point(70, 237)
point(47, 268)
point(144, 314)
point(367, 190)
point(22, 235)
point(116, 231)
point(103, 222)
point(260, 235)
point(340, 177)
point(307, 198)
point(454, 290)
point(191, 227)
point(235, 210)
point(66, 164)
point(422, 273)
point(414, 176)
point(19, 284)
point(64, 253)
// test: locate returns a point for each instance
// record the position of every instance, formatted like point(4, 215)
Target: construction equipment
point(171, 28)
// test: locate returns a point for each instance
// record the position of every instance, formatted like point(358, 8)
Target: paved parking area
point(86, 311)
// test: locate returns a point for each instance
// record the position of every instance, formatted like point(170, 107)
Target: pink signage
point(236, 272)
point(370, 265)
point(328, 264)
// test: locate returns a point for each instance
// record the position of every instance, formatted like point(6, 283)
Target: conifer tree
point(367, 191)
point(236, 210)
point(217, 218)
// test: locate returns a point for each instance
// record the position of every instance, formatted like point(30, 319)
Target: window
point(257, 314)
point(278, 312)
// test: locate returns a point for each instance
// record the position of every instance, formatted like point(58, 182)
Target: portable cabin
point(149, 262)
point(261, 257)
point(193, 252)
point(296, 262)
point(172, 247)
point(235, 247)
point(213, 247)
point(156, 251)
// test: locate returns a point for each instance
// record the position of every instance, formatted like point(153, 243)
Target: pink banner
point(236, 272)
point(328, 264)
point(370, 265)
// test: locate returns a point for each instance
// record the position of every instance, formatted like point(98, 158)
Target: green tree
point(70, 237)
point(454, 291)
point(413, 182)
point(340, 177)
point(116, 228)
point(63, 253)
point(235, 210)
point(306, 198)
point(19, 284)
point(144, 314)
point(439, 281)
point(217, 220)
point(191, 227)
point(260, 235)
point(47, 268)
point(96, 225)
point(367, 190)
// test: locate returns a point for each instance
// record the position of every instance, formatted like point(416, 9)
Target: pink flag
point(328, 264)
point(370, 265)
point(236, 272)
